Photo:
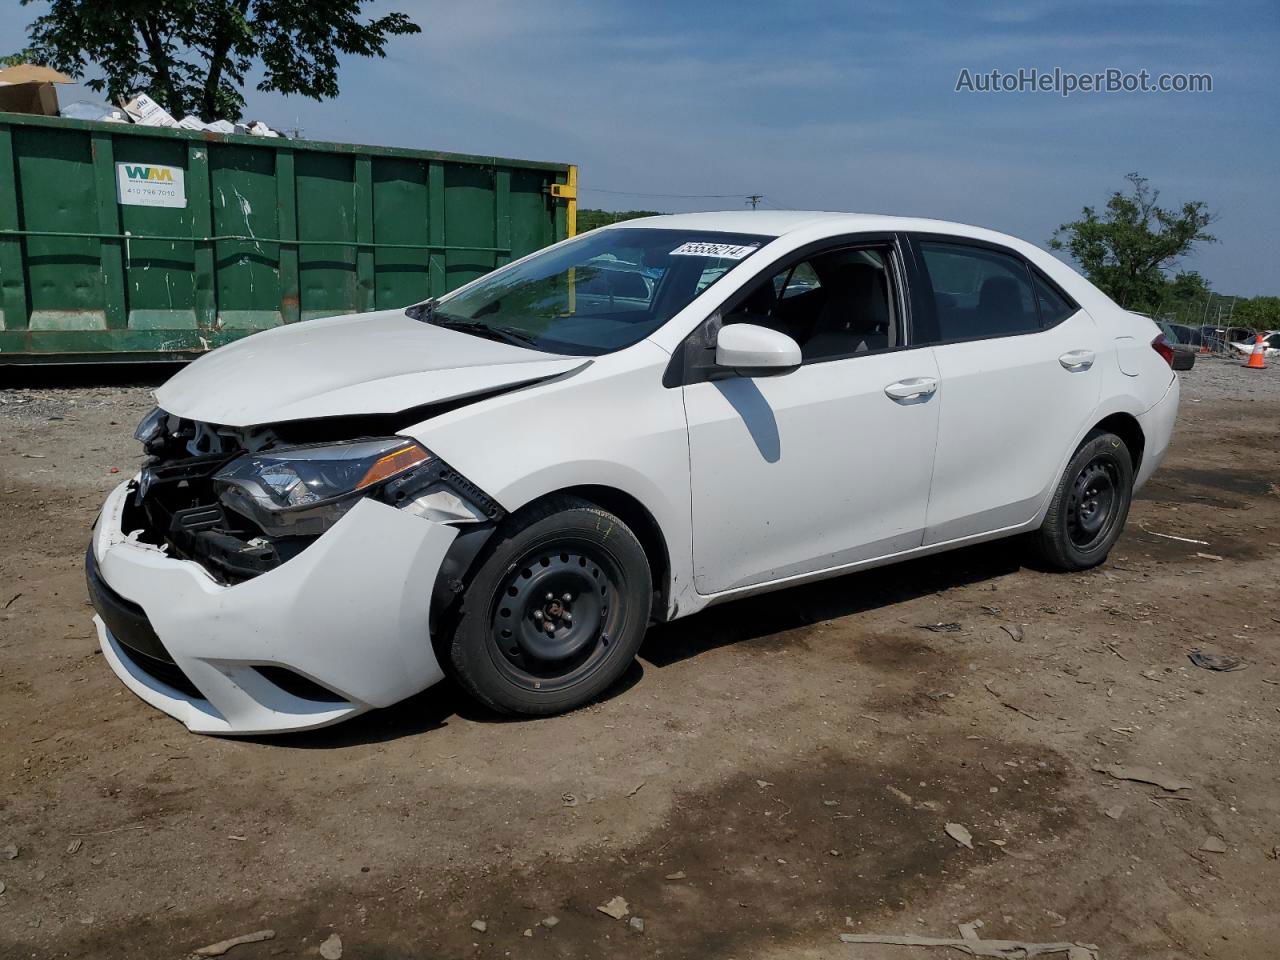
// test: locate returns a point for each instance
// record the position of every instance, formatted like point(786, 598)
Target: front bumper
point(341, 628)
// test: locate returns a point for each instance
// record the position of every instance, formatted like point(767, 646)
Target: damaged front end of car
point(242, 501)
point(283, 576)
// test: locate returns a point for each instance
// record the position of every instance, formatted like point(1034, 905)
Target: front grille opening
point(298, 685)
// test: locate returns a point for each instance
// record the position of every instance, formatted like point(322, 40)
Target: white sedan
point(1270, 344)
point(509, 484)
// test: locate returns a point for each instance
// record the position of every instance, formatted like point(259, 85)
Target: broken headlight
point(151, 427)
point(304, 490)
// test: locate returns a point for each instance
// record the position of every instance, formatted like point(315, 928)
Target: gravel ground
point(771, 774)
point(1215, 378)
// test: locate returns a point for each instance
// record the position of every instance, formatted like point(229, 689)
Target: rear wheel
point(555, 613)
point(1089, 507)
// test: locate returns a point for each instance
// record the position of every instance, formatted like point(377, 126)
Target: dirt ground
point(772, 773)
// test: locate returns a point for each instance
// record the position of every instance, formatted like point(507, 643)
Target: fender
point(611, 425)
point(1124, 404)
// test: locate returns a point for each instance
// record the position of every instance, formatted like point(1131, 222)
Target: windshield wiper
point(479, 329)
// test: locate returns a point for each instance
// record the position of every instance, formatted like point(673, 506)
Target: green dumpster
point(126, 243)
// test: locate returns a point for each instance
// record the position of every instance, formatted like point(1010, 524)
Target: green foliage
point(1258, 313)
point(1186, 286)
point(590, 219)
point(192, 55)
point(1126, 248)
point(22, 56)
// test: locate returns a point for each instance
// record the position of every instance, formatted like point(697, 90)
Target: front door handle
point(914, 388)
point(1077, 360)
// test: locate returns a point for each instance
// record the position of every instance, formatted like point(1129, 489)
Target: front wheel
point(1089, 507)
point(556, 611)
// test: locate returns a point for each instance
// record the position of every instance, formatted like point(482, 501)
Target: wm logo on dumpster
point(160, 174)
point(150, 185)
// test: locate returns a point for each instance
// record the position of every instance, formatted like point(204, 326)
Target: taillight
point(1161, 346)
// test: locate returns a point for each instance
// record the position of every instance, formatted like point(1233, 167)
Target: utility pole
point(754, 200)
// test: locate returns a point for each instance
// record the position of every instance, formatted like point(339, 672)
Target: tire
point(501, 651)
point(1090, 506)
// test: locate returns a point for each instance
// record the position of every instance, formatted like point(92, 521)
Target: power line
point(667, 196)
point(754, 200)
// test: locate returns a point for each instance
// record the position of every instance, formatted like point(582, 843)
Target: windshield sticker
point(726, 251)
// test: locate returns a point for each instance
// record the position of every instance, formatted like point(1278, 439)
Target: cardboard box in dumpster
point(148, 113)
point(28, 88)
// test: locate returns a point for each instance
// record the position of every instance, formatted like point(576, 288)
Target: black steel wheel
point(555, 612)
point(1090, 505)
point(551, 621)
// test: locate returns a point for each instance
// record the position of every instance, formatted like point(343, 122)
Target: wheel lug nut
point(537, 614)
point(567, 617)
point(549, 627)
point(550, 597)
point(566, 597)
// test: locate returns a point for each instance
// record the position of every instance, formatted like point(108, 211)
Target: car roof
point(776, 223)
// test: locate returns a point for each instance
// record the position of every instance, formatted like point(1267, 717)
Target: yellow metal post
point(571, 229)
point(568, 192)
point(571, 214)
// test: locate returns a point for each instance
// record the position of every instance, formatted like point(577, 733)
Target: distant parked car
point(1215, 337)
point(1184, 354)
point(1270, 343)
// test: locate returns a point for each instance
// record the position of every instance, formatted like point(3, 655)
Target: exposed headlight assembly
point(152, 426)
point(302, 491)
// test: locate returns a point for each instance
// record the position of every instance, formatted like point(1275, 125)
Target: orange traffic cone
point(1258, 358)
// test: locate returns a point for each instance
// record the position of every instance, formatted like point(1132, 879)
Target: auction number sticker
point(725, 251)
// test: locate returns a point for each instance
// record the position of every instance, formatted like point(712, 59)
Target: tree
point(192, 55)
point(14, 59)
point(589, 219)
point(1187, 286)
point(1258, 313)
point(1126, 249)
point(1183, 299)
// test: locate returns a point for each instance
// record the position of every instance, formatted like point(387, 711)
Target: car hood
point(381, 362)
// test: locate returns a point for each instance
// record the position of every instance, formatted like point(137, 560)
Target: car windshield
point(601, 292)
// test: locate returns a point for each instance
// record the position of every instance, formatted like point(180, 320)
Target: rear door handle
point(1077, 360)
point(915, 388)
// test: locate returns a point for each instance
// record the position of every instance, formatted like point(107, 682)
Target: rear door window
point(979, 292)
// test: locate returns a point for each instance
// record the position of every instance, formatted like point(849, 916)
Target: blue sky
point(840, 106)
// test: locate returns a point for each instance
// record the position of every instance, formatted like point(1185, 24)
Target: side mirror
point(754, 351)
